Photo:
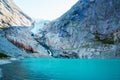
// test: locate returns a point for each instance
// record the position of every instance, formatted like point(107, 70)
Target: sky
point(45, 9)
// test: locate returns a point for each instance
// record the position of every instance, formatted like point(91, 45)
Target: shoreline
point(2, 62)
point(5, 61)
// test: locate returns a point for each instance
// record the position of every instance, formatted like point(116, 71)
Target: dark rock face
point(68, 54)
point(11, 15)
point(91, 28)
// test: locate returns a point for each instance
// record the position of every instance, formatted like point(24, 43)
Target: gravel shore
point(4, 61)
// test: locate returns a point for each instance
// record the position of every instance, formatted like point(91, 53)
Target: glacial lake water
point(62, 69)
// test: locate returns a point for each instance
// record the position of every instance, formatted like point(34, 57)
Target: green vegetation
point(2, 26)
point(3, 56)
point(108, 40)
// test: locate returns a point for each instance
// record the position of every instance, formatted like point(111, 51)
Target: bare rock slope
point(11, 15)
point(91, 28)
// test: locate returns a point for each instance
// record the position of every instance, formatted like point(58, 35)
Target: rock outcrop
point(91, 28)
point(20, 42)
point(8, 48)
point(11, 15)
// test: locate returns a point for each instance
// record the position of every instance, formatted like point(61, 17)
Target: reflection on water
point(62, 69)
point(0, 73)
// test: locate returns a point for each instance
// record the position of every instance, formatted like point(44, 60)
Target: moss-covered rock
point(109, 39)
point(2, 55)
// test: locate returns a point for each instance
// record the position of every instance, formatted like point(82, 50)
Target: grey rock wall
point(91, 28)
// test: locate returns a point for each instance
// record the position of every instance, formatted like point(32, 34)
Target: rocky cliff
point(11, 15)
point(19, 42)
point(90, 29)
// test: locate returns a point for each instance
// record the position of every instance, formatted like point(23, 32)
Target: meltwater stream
point(62, 69)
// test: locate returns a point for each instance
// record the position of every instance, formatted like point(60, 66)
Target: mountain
point(90, 29)
point(16, 38)
point(12, 15)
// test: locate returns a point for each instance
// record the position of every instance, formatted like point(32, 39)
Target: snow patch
point(39, 25)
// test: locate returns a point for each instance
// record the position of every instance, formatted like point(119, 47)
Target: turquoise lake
point(62, 69)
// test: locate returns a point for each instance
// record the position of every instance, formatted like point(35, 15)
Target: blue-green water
point(62, 69)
